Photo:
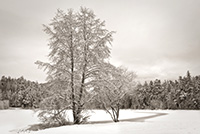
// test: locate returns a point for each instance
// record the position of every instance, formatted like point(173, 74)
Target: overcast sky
point(155, 38)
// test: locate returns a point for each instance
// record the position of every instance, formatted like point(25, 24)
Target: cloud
point(163, 41)
point(156, 39)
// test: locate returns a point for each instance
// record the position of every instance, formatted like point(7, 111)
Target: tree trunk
point(79, 105)
point(74, 109)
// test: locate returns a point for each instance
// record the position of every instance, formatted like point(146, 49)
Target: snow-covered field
point(132, 122)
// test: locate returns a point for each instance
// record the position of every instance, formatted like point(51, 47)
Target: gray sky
point(155, 38)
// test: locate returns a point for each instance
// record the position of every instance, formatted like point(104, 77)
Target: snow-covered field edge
point(131, 121)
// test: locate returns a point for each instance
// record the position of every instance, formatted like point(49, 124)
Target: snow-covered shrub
point(156, 104)
point(4, 104)
point(53, 110)
point(1, 105)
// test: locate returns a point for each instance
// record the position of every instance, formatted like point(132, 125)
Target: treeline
point(21, 92)
point(183, 93)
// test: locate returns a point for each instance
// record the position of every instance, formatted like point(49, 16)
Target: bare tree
point(115, 84)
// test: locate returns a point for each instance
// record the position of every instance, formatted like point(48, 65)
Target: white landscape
point(14, 121)
point(60, 59)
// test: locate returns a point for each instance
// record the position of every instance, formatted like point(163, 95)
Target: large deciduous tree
point(79, 47)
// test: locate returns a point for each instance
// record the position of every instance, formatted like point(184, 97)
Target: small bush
point(53, 111)
point(1, 105)
point(156, 104)
point(4, 104)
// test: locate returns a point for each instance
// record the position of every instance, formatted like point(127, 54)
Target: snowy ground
point(132, 122)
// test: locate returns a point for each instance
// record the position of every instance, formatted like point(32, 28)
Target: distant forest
point(183, 93)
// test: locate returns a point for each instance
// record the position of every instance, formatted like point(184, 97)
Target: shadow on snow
point(138, 119)
point(37, 127)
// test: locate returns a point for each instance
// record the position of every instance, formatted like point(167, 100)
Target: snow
point(132, 121)
point(16, 118)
